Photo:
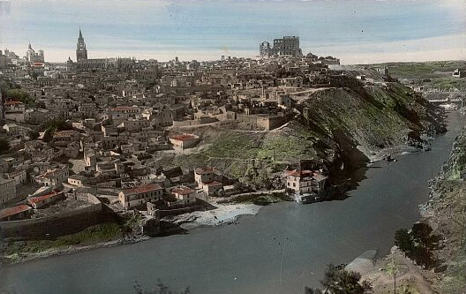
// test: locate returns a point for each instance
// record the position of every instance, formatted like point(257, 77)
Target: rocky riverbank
point(445, 212)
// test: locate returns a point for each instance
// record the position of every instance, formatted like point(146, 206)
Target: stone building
point(34, 57)
point(137, 196)
point(288, 45)
point(7, 190)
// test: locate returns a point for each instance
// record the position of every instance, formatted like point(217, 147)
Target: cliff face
point(446, 213)
point(342, 127)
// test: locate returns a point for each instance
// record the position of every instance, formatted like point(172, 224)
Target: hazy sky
point(357, 31)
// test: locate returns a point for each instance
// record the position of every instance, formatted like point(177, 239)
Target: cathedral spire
point(81, 51)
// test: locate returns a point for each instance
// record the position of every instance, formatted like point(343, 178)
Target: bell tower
point(81, 51)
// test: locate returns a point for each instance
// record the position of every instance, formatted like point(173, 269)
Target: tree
point(404, 241)
point(19, 95)
point(418, 244)
point(393, 270)
point(338, 280)
point(4, 146)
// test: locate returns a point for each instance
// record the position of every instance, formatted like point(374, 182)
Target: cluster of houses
point(104, 130)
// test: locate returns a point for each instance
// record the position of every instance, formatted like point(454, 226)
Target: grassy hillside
point(334, 122)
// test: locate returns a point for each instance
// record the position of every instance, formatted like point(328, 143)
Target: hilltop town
point(145, 144)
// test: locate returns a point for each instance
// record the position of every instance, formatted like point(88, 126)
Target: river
point(283, 248)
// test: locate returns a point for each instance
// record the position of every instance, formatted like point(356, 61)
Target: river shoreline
point(223, 214)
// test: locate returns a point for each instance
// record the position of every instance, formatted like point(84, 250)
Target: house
point(14, 110)
point(184, 195)
point(20, 177)
point(183, 141)
point(63, 138)
point(205, 178)
point(53, 177)
point(459, 73)
point(7, 190)
point(77, 180)
point(204, 175)
point(17, 212)
point(47, 199)
point(305, 181)
point(137, 196)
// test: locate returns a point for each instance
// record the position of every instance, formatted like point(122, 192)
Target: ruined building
point(288, 45)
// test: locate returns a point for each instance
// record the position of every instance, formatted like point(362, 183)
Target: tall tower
point(81, 51)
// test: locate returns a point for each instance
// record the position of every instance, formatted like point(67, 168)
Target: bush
point(418, 244)
point(337, 280)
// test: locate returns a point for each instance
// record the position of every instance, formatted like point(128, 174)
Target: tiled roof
point(43, 197)
point(142, 189)
point(11, 211)
point(203, 170)
point(182, 190)
point(183, 137)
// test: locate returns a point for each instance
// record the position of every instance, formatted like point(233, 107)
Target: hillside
point(338, 126)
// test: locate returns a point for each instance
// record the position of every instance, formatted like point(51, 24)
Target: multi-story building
point(137, 196)
point(184, 195)
point(305, 181)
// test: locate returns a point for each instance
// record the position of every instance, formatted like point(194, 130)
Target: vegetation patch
point(92, 235)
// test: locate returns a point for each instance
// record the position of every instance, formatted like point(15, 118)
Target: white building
point(137, 196)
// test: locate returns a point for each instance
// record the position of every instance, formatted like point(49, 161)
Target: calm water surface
point(280, 250)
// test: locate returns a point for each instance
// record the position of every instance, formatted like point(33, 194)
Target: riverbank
point(445, 212)
point(223, 214)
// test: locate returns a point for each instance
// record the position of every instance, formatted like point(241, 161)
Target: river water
point(282, 249)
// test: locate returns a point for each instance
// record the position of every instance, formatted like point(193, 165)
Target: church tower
point(81, 51)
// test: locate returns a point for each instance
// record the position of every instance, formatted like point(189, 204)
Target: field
point(435, 74)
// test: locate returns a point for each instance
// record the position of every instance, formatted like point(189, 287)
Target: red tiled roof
point(4, 213)
point(183, 137)
point(143, 189)
point(213, 183)
point(182, 190)
point(203, 170)
point(12, 102)
point(43, 197)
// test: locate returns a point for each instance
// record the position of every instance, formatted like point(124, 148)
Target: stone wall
point(56, 225)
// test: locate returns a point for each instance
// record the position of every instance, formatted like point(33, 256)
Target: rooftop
point(142, 189)
point(43, 197)
point(182, 190)
point(7, 212)
point(183, 137)
point(204, 170)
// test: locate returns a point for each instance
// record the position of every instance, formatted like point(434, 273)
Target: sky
point(357, 31)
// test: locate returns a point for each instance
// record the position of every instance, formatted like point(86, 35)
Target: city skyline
point(355, 31)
